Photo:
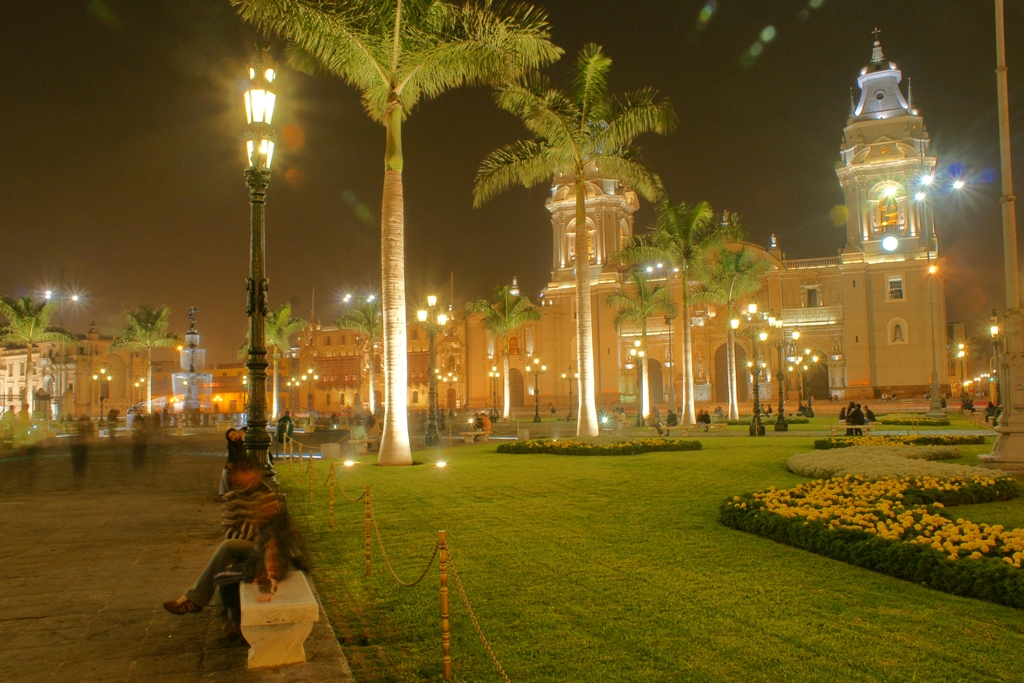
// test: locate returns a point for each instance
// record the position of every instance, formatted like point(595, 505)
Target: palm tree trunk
point(734, 409)
point(507, 401)
point(371, 395)
point(587, 424)
point(29, 376)
point(689, 407)
point(273, 414)
point(149, 380)
point(645, 397)
point(395, 448)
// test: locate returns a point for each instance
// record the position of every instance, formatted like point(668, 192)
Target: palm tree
point(503, 316)
point(583, 130)
point(28, 324)
point(733, 275)
point(636, 308)
point(145, 329)
point(398, 53)
point(684, 237)
point(280, 326)
point(366, 319)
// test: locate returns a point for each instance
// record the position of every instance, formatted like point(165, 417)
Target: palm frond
point(590, 85)
point(526, 162)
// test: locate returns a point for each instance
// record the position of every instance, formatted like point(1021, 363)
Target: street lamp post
point(259, 113)
point(537, 369)
point(450, 380)
point(495, 376)
point(994, 330)
point(780, 344)
point(670, 364)
point(432, 324)
point(310, 378)
point(569, 377)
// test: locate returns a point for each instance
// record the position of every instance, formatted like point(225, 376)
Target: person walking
point(857, 419)
point(285, 429)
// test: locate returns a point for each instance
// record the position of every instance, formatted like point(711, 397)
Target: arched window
point(415, 397)
point(888, 202)
point(513, 346)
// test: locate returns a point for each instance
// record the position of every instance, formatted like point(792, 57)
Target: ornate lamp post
point(310, 378)
point(670, 363)
point(962, 355)
point(569, 377)
point(780, 345)
point(495, 376)
point(537, 369)
point(450, 380)
point(245, 393)
point(260, 100)
point(994, 331)
point(432, 324)
point(756, 332)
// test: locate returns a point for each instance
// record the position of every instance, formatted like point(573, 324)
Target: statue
point(897, 333)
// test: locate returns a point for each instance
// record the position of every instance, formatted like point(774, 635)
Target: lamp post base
point(756, 428)
point(780, 423)
point(1008, 451)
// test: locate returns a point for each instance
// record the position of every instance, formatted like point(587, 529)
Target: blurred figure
point(236, 455)
point(140, 440)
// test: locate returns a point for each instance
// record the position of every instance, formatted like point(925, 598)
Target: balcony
point(807, 263)
point(815, 315)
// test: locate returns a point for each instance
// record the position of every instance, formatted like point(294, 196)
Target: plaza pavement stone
point(88, 555)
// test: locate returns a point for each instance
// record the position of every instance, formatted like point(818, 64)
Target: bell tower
point(885, 168)
point(610, 207)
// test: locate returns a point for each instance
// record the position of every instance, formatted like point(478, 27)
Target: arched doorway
point(656, 377)
point(722, 374)
point(817, 380)
point(516, 389)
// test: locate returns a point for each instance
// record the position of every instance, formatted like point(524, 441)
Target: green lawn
point(617, 569)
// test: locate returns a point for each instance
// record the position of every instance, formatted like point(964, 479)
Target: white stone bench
point(470, 437)
point(870, 427)
point(362, 445)
point(277, 629)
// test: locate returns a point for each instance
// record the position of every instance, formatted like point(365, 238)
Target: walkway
point(88, 555)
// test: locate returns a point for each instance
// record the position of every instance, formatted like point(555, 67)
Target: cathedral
point(866, 323)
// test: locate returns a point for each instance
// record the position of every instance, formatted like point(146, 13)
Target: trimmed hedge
point(985, 577)
point(914, 422)
point(941, 440)
point(769, 419)
point(584, 448)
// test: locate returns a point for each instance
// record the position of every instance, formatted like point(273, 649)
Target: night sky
point(121, 149)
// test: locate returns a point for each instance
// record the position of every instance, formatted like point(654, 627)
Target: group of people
point(261, 542)
point(856, 416)
point(481, 423)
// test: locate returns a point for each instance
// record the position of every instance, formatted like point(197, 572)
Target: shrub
point(914, 422)
point(881, 462)
point(895, 527)
point(585, 448)
point(937, 440)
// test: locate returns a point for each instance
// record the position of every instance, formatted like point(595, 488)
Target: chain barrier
point(476, 624)
point(446, 564)
point(387, 561)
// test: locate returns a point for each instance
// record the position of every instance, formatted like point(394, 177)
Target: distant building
point(866, 313)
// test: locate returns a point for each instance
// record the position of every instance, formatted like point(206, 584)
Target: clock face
point(890, 242)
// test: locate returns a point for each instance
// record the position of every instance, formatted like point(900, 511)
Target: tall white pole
point(1008, 451)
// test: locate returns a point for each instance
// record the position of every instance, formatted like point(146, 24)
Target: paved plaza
point(90, 549)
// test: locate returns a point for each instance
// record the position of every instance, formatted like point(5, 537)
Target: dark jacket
point(857, 417)
point(236, 452)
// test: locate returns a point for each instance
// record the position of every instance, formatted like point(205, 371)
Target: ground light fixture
point(441, 463)
point(349, 463)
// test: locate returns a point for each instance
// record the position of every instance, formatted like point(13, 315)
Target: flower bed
point(938, 440)
point(585, 448)
point(881, 462)
point(896, 527)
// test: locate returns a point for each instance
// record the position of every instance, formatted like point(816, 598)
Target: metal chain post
point(446, 637)
point(331, 478)
point(369, 520)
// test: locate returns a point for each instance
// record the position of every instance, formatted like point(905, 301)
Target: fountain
point(192, 386)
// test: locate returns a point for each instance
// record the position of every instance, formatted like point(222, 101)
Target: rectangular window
point(328, 397)
point(328, 342)
point(895, 289)
point(812, 297)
